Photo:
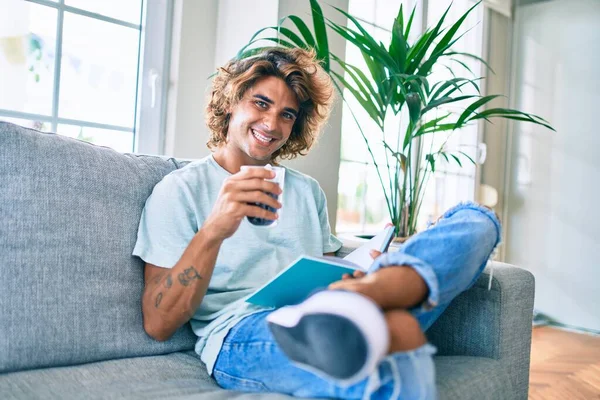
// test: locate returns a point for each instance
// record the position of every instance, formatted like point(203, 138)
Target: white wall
point(238, 21)
point(553, 224)
point(210, 32)
point(193, 55)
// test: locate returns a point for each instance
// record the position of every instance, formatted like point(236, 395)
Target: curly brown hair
point(299, 69)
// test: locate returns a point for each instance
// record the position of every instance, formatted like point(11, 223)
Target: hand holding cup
point(279, 180)
point(237, 200)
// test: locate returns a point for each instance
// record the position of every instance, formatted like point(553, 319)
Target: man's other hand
point(358, 281)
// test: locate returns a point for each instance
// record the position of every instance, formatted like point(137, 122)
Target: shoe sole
point(329, 353)
point(342, 335)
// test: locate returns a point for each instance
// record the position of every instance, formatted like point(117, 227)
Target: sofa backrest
point(70, 290)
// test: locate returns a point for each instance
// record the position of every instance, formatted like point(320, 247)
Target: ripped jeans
point(449, 256)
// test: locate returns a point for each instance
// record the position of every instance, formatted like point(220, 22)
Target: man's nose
point(270, 120)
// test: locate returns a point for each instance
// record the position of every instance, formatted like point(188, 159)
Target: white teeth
point(261, 137)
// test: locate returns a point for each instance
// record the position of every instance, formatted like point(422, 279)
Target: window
point(361, 202)
point(452, 183)
point(78, 68)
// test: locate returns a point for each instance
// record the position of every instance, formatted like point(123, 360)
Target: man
point(203, 257)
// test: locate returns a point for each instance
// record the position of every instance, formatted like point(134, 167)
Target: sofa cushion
point(70, 289)
point(182, 375)
point(158, 377)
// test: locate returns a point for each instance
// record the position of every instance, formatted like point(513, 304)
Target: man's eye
point(261, 104)
point(289, 116)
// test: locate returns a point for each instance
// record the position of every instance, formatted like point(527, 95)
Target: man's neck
point(232, 161)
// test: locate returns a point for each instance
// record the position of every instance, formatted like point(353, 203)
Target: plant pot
point(400, 240)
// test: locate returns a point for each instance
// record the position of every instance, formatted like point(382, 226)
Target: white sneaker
point(339, 334)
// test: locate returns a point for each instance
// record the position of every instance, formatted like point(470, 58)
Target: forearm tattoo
point(184, 277)
point(168, 284)
point(188, 275)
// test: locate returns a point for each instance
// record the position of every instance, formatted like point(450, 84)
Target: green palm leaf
point(293, 37)
point(304, 30)
point(364, 86)
point(398, 45)
point(444, 43)
point(445, 100)
point(424, 47)
point(320, 33)
point(465, 66)
point(458, 53)
point(367, 105)
point(455, 84)
point(410, 21)
point(363, 40)
point(456, 159)
point(431, 160)
point(473, 107)
point(250, 52)
point(508, 113)
point(468, 157)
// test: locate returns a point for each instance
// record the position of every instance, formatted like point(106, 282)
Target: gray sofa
point(70, 315)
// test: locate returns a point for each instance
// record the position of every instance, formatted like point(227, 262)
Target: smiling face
point(260, 123)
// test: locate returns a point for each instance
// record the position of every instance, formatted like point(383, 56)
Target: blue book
point(306, 274)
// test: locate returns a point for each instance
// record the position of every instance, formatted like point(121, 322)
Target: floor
point(564, 365)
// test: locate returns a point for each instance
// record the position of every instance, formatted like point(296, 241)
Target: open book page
point(380, 242)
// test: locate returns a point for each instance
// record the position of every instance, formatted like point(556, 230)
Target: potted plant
point(398, 80)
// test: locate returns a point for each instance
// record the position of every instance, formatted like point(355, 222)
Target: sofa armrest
point(492, 323)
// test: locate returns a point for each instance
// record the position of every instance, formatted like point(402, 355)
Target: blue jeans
point(449, 256)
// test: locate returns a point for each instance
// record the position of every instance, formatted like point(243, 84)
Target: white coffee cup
point(279, 179)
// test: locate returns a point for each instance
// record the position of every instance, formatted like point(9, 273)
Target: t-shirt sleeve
point(167, 225)
point(330, 242)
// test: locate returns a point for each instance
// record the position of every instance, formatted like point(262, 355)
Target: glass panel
point(387, 10)
point(443, 192)
point(38, 125)
point(351, 197)
point(453, 144)
point(99, 71)
point(378, 12)
point(447, 188)
point(353, 143)
point(120, 141)
point(129, 10)
point(432, 198)
point(27, 47)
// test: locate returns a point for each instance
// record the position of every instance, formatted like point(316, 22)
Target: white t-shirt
point(177, 208)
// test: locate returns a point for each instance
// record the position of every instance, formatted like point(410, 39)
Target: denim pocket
point(231, 382)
